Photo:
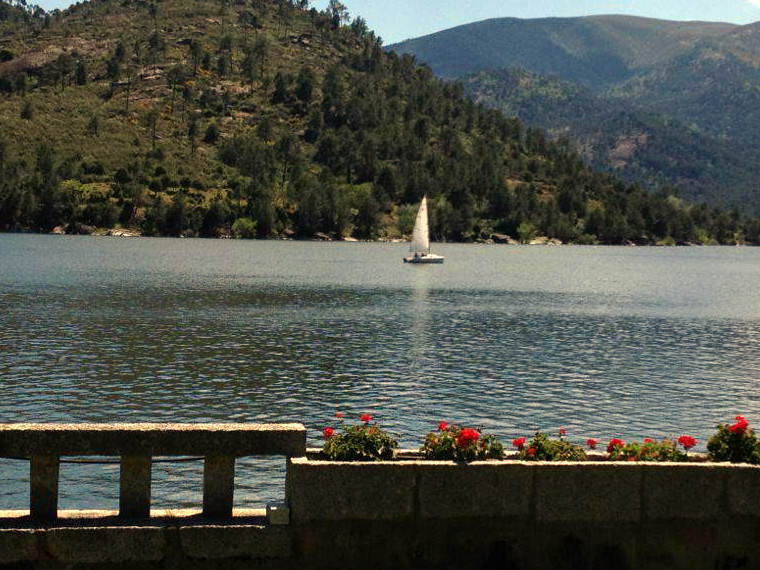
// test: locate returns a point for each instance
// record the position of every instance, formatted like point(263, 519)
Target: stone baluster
point(43, 503)
point(218, 485)
point(134, 495)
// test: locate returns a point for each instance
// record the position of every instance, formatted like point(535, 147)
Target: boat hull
point(426, 258)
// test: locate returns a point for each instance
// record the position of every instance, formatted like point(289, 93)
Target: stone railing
point(136, 445)
point(401, 514)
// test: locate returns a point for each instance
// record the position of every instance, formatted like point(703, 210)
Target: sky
point(397, 20)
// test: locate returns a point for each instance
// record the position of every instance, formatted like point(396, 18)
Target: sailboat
point(420, 245)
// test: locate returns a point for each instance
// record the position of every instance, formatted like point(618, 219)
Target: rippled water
point(629, 342)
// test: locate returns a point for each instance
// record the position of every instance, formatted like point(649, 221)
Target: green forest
point(271, 119)
point(649, 148)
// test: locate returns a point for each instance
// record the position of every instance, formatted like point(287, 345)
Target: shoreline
point(496, 239)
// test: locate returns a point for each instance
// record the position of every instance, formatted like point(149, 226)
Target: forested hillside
point(662, 103)
point(265, 118)
point(636, 144)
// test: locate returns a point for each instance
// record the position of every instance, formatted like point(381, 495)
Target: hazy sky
point(396, 20)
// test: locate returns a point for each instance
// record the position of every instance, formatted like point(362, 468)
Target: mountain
point(264, 118)
point(598, 51)
point(713, 85)
point(671, 104)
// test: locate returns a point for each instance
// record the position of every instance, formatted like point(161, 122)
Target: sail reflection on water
point(422, 344)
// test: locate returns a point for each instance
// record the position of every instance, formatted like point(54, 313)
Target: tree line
point(345, 149)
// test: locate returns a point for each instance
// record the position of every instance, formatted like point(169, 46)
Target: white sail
point(420, 239)
point(420, 245)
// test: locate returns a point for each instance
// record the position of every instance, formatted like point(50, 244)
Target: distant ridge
point(596, 50)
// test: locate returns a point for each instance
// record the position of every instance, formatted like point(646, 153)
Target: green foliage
point(212, 134)
point(736, 443)
point(526, 232)
point(458, 443)
point(649, 450)
point(359, 442)
point(93, 127)
point(328, 134)
point(305, 85)
point(27, 110)
point(244, 228)
point(542, 448)
point(81, 72)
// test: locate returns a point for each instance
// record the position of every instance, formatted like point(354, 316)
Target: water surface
point(605, 341)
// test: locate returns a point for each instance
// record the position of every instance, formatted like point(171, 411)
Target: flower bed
point(736, 443)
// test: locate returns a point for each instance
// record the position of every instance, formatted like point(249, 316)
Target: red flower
point(562, 432)
point(614, 442)
point(687, 441)
point(365, 418)
point(328, 432)
point(467, 436)
point(339, 415)
point(443, 426)
point(648, 440)
point(519, 443)
point(531, 452)
point(591, 442)
point(740, 426)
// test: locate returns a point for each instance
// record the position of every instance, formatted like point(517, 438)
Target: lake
point(627, 342)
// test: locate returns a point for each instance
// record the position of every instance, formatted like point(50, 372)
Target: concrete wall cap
point(238, 439)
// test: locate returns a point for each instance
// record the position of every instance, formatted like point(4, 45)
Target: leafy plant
point(359, 442)
point(736, 443)
point(244, 228)
point(648, 450)
point(542, 448)
point(460, 443)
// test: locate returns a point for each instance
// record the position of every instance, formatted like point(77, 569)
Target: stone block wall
point(528, 515)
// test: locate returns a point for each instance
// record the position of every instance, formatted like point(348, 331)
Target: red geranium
point(519, 443)
point(591, 443)
point(467, 436)
point(328, 432)
point(614, 442)
point(531, 452)
point(365, 418)
point(740, 426)
point(687, 441)
point(443, 426)
point(562, 432)
point(648, 440)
